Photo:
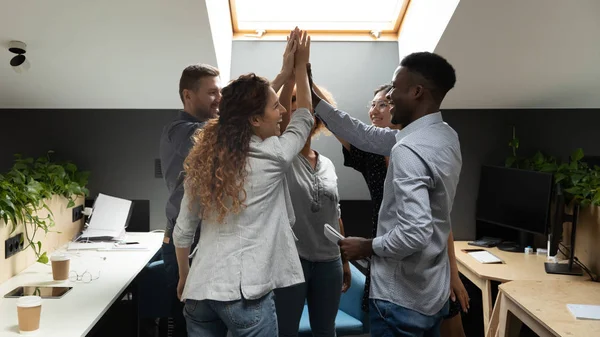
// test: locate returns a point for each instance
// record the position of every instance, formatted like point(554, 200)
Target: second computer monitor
point(515, 198)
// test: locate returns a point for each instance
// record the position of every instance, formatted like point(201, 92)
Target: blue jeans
point(243, 318)
point(321, 290)
point(391, 320)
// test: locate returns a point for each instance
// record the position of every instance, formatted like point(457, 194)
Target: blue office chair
point(350, 320)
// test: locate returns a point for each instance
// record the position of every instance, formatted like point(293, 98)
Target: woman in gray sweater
point(313, 188)
point(235, 182)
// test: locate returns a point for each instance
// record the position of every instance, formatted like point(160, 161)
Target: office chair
point(350, 320)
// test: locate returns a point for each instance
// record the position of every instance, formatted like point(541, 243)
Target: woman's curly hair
point(216, 165)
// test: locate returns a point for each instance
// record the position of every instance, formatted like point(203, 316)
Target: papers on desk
point(483, 256)
point(585, 311)
point(109, 218)
point(105, 246)
point(87, 245)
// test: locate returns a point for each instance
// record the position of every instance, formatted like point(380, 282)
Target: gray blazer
point(254, 250)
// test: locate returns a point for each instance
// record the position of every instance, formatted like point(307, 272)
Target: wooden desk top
point(516, 266)
point(546, 301)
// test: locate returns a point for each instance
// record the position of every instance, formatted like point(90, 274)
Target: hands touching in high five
point(296, 53)
point(303, 91)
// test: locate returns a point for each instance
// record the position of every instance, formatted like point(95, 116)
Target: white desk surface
point(76, 313)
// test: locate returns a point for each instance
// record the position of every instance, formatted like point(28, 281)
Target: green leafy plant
point(580, 182)
point(25, 189)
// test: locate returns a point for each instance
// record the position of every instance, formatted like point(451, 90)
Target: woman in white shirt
point(313, 188)
point(235, 182)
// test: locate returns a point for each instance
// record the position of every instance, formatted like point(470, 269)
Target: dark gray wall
point(117, 146)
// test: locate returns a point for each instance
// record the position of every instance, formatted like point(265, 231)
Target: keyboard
point(485, 257)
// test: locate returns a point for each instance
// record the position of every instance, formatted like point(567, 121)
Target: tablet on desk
point(43, 292)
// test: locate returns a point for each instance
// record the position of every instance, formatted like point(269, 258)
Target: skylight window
point(331, 17)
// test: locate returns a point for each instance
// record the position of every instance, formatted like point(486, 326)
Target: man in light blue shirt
point(410, 271)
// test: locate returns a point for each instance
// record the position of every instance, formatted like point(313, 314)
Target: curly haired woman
point(235, 183)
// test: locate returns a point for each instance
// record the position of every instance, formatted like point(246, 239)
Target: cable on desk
point(579, 263)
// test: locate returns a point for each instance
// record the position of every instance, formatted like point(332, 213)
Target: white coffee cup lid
point(29, 301)
point(59, 257)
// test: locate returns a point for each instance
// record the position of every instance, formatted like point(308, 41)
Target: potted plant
point(26, 189)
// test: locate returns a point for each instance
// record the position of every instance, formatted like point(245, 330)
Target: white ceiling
point(101, 54)
point(524, 54)
point(130, 54)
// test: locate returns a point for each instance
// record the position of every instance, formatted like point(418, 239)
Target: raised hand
point(287, 68)
point(303, 51)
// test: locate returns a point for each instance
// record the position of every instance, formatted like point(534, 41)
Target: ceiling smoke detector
point(19, 63)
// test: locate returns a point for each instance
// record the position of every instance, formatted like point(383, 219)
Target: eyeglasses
point(380, 105)
point(85, 277)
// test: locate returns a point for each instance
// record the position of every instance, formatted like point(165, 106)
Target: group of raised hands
point(296, 66)
point(296, 54)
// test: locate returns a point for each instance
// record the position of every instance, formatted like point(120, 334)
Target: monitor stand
point(517, 247)
point(509, 246)
point(562, 268)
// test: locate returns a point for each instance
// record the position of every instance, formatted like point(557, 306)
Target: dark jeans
point(321, 291)
point(170, 261)
point(391, 320)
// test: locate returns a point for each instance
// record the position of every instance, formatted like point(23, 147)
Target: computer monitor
point(517, 199)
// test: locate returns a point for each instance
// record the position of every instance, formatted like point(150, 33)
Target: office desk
point(80, 309)
point(516, 266)
point(542, 306)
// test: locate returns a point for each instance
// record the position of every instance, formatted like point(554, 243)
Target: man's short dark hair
point(434, 69)
point(192, 74)
point(383, 87)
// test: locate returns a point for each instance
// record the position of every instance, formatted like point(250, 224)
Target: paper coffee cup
point(60, 267)
point(29, 309)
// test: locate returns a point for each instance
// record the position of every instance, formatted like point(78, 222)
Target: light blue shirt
point(411, 266)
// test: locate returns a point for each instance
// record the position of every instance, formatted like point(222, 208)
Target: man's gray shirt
point(175, 144)
point(410, 267)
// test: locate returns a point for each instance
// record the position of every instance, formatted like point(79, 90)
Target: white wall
point(424, 24)
point(102, 54)
point(524, 54)
point(220, 27)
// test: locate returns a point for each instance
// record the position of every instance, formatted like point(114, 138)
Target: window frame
point(320, 35)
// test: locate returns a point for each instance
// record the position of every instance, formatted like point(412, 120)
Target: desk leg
point(486, 293)
point(486, 299)
point(512, 317)
point(492, 330)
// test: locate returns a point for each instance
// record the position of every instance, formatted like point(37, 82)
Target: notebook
point(484, 256)
point(585, 311)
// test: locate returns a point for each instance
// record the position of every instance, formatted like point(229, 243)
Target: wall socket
point(13, 245)
point(77, 213)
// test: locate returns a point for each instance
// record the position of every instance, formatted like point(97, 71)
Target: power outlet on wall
point(13, 245)
point(77, 213)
